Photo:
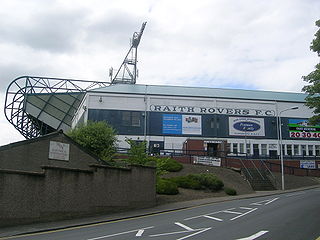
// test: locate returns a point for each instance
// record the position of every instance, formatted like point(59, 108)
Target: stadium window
point(241, 150)
point(317, 150)
point(211, 123)
point(289, 149)
point(264, 149)
point(303, 150)
point(310, 150)
point(235, 148)
point(296, 150)
point(135, 119)
point(131, 119)
point(248, 149)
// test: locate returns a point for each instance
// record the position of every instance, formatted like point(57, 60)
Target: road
point(291, 216)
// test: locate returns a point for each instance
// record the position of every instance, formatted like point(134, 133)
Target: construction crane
point(127, 73)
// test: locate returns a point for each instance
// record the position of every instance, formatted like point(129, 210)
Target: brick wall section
point(290, 166)
point(60, 193)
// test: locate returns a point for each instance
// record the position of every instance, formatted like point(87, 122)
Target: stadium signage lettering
point(210, 110)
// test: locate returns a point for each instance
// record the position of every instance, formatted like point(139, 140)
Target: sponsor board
point(181, 124)
point(205, 160)
point(311, 164)
point(300, 128)
point(244, 126)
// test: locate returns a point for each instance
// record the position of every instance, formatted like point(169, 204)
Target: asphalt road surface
point(284, 216)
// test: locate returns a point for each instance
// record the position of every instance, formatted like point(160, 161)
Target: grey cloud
point(53, 31)
point(114, 30)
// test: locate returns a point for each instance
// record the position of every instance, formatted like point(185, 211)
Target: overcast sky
point(247, 44)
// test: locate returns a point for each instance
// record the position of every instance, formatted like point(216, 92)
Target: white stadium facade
point(245, 122)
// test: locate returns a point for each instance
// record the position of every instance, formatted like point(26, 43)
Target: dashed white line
point(243, 214)
point(231, 212)
point(254, 236)
point(139, 231)
point(184, 226)
point(246, 208)
point(264, 202)
point(213, 218)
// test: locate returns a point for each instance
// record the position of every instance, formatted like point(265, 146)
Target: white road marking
point(193, 234)
point(196, 231)
point(184, 226)
point(254, 236)
point(213, 218)
point(264, 202)
point(246, 208)
point(243, 214)
point(271, 201)
point(186, 219)
point(139, 231)
point(295, 194)
point(231, 212)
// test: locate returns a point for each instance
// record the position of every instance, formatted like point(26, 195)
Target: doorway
point(212, 149)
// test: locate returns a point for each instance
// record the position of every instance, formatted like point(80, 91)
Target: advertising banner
point(245, 126)
point(311, 164)
point(205, 160)
point(181, 124)
point(300, 128)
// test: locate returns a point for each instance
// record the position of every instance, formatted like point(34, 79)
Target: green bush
point(209, 181)
point(98, 137)
point(188, 181)
point(199, 181)
point(169, 164)
point(165, 186)
point(137, 152)
point(230, 191)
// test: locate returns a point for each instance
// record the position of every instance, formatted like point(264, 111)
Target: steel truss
point(23, 87)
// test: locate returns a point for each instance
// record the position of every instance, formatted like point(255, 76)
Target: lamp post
point(280, 143)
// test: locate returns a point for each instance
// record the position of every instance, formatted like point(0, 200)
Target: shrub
point(97, 137)
point(209, 181)
point(188, 181)
point(230, 191)
point(199, 181)
point(137, 152)
point(168, 164)
point(165, 186)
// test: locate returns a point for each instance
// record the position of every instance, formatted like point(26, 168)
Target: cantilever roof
point(203, 92)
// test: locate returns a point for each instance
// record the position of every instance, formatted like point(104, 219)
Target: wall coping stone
point(9, 171)
point(66, 169)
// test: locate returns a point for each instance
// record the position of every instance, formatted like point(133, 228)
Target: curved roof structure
point(39, 105)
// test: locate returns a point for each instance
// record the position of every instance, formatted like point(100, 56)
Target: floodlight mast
point(127, 73)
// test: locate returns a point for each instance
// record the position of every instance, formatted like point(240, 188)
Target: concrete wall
point(59, 193)
point(30, 155)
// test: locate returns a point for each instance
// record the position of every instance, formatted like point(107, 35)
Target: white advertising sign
point(191, 124)
point(308, 164)
point(59, 151)
point(245, 126)
point(205, 160)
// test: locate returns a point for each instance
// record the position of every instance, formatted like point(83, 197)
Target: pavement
point(50, 226)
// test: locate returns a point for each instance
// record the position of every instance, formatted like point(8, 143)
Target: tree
point(137, 152)
point(97, 137)
point(313, 99)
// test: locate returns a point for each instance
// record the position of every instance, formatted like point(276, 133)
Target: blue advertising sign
point(171, 124)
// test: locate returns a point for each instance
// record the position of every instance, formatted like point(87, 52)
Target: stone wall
point(59, 193)
point(30, 155)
